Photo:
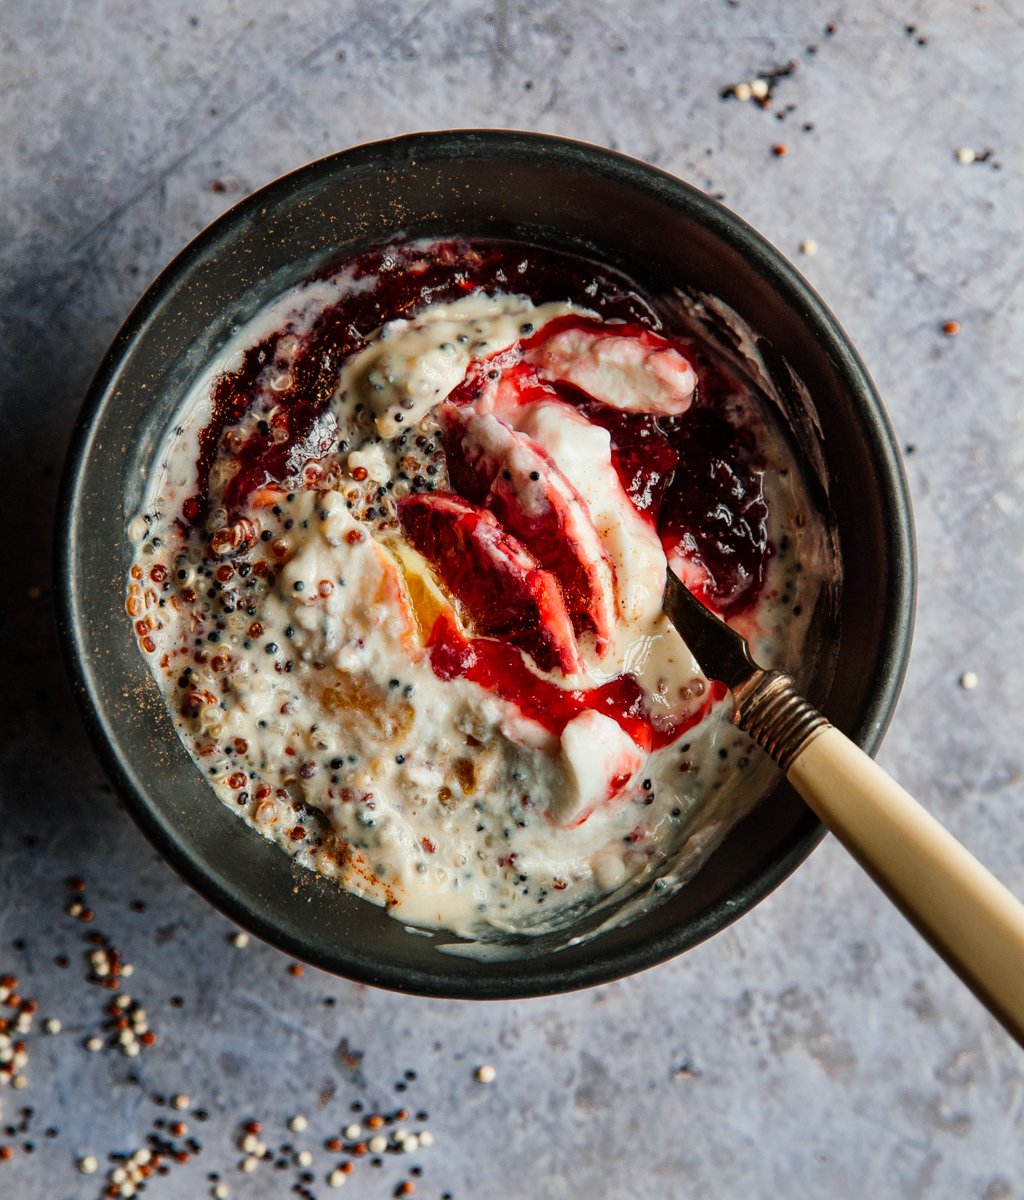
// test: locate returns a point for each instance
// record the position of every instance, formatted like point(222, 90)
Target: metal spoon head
point(721, 652)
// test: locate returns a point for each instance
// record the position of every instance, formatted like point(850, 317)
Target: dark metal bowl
point(541, 189)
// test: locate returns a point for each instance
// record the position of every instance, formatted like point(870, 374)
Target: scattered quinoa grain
point(298, 1123)
point(968, 681)
point(336, 1179)
point(809, 247)
point(304, 1158)
point(52, 1026)
point(486, 1073)
point(965, 156)
point(779, 150)
point(180, 1102)
point(88, 1165)
point(951, 328)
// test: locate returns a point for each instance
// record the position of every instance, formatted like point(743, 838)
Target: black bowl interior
point(562, 194)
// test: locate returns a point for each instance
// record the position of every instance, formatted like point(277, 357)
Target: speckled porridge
point(399, 572)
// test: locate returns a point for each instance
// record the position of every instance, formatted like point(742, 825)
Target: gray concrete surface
point(828, 1052)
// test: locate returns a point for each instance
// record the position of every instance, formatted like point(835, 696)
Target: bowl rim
point(783, 278)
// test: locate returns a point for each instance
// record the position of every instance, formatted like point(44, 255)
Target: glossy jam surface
point(500, 670)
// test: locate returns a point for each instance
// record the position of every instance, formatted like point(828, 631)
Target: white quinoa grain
point(142, 1157)
point(93, 1044)
point(88, 1165)
point(250, 1164)
point(353, 1131)
point(19, 1082)
point(426, 1138)
point(968, 681)
point(126, 1037)
point(759, 88)
point(809, 247)
point(52, 1026)
point(240, 941)
point(304, 1158)
point(298, 1123)
point(486, 1073)
point(336, 1179)
point(127, 1189)
point(378, 1144)
point(180, 1102)
point(123, 1001)
point(127, 970)
point(118, 1175)
point(411, 1144)
point(132, 1049)
point(220, 1191)
point(742, 91)
point(965, 155)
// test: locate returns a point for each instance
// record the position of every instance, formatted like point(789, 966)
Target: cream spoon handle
point(973, 921)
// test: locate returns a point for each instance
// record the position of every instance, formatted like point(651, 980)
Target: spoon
point(973, 921)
